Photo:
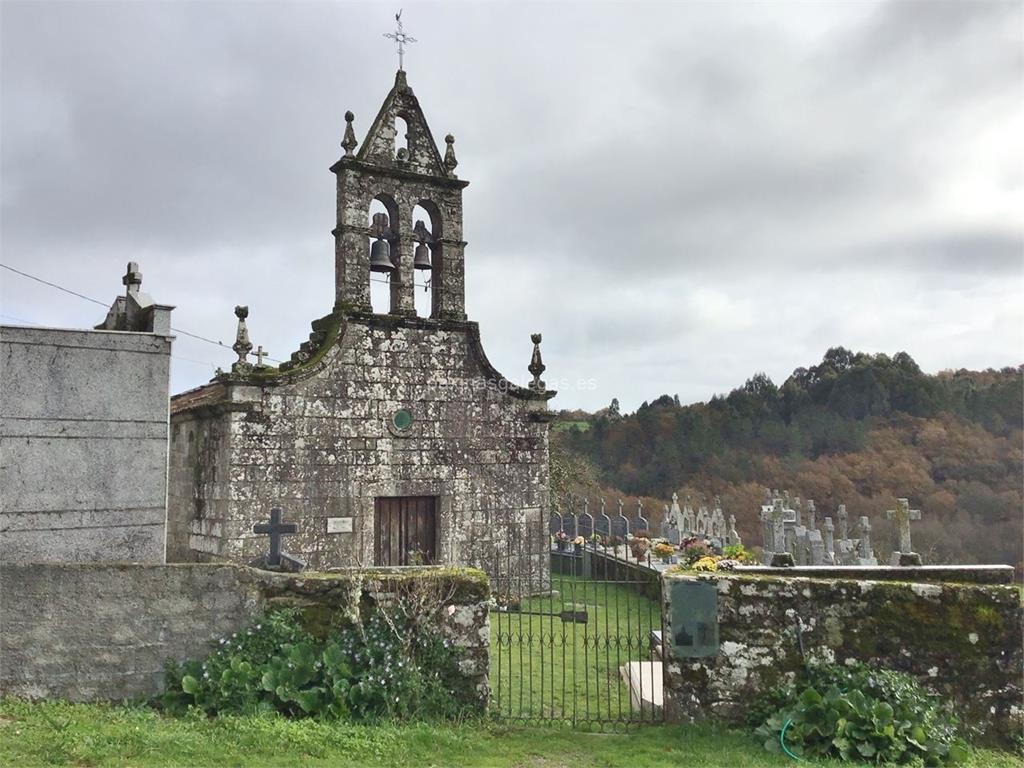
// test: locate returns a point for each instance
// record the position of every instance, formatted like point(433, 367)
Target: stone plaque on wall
point(694, 619)
point(339, 525)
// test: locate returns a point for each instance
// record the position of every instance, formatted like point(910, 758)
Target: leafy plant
point(705, 564)
point(379, 669)
point(859, 713)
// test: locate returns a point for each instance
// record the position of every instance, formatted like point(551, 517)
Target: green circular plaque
point(402, 419)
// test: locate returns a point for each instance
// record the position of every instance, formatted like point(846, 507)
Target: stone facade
point(962, 641)
point(374, 406)
point(83, 434)
point(93, 632)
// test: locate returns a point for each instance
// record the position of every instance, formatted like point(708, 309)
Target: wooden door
point(405, 530)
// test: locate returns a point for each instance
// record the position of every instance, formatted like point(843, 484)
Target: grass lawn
point(95, 735)
point(544, 667)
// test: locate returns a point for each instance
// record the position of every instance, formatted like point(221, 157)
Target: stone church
point(388, 438)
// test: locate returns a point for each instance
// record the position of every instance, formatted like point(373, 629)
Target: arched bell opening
point(382, 223)
point(429, 267)
point(424, 245)
point(402, 148)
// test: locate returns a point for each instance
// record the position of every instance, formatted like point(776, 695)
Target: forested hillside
point(856, 429)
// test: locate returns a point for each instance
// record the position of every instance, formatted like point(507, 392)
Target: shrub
point(737, 552)
point(694, 550)
point(378, 669)
point(860, 713)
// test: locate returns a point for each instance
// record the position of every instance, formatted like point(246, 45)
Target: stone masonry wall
point(89, 632)
point(962, 641)
point(319, 443)
point(83, 434)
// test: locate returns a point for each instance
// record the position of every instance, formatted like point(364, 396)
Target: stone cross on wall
point(901, 517)
point(276, 528)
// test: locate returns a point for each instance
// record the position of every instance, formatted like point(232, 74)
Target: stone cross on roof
point(132, 278)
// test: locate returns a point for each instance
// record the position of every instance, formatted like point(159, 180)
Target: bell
point(380, 257)
point(422, 258)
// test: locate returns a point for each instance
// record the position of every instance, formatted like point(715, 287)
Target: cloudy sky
point(676, 194)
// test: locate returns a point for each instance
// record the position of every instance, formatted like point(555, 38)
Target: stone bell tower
point(399, 165)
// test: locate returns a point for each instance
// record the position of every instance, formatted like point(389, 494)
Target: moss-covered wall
point(963, 641)
point(88, 632)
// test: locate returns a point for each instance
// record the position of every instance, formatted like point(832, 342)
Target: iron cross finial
point(401, 38)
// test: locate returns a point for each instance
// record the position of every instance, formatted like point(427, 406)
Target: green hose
point(782, 740)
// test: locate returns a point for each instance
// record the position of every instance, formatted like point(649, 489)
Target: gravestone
point(555, 523)
point(620, 525)
point(702, 522)
point(904, 553)
point(732, 536)
point(779, 556)
point(830, 544)
point(716, 522)
point(585, 524)
point(639, 523)
point(688, 526)
point(603, 523)
point(865, 556)
point(765, 516)
point(569, 524)
point(816, 546)
point(812, 516)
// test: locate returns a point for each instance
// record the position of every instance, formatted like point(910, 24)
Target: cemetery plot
point(574, 643)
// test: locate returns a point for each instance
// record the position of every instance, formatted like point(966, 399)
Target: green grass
point(98, 735)
point(568, 670)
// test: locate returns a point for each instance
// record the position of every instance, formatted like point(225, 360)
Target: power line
point(173, 357)
point(103, 304)
point(52, 285)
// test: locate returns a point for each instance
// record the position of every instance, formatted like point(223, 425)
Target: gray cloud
point(678, 195)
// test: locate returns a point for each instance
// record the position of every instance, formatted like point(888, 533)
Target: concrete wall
point(83, 439)
point(318, 442)
point(963, 641)
point(87, 632)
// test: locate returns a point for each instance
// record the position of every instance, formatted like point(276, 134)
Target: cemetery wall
point(83, 433)
point(963, 641)
point(320, 441)
point(88, 632)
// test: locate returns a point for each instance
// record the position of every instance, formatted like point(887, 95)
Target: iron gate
point(575, 635)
